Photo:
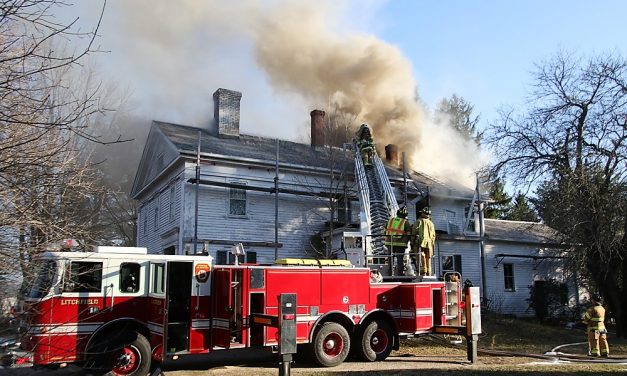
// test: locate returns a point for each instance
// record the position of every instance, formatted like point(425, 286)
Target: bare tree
point(333, 189)
point(50, 188)
point(571, 142)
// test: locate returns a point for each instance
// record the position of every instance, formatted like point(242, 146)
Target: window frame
point(69, 273)
point(152, 290)
point(171, 202)
point(509, 281)
point(230, 199)
point(138, 282)
point(156, 218)
point(457, 263)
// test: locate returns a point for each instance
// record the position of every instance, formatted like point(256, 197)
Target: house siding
point(525, 271)
point(470, 252)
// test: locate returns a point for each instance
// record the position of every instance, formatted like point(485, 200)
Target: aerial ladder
point(377, 204)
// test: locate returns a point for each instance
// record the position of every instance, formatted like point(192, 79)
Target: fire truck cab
point(119, 308)
point(115, 308)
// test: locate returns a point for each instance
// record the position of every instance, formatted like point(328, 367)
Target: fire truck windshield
point(39, 279)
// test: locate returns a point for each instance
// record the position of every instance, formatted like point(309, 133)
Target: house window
point(156, 219)
point(343, 210)
point(471, 220)
point(221, 257)
point(237, 201)
point(508, 277)
point(452, 263)
point(171, 203)
point(84, 277)
point(227, 258)
point(129, 277)
point(451, 222)
point(145, 225)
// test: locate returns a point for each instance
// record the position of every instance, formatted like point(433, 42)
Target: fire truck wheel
point(331, 345)
point(131, 357)
point(376, 341)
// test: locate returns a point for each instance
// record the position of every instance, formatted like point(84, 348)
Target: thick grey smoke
point(298, 52)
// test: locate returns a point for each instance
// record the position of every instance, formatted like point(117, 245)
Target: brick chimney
point(391, 154)
point(317, 127)
point(226, 112)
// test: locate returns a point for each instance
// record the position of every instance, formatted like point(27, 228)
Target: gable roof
point(185, 139)
point(256, 149)
point(523, 232)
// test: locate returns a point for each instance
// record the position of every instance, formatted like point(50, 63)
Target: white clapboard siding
point(471, 258)
point(526, 271)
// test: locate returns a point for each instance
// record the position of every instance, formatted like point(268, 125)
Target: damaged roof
point(518, 231)
point(185, 139)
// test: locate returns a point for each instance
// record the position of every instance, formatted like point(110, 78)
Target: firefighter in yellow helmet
point(397, 234)
point(594, 318)
point(423, 240)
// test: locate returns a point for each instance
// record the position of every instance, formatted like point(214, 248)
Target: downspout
point(484, 283)
point(404, 182)
point(197, 193)
point(276, 203)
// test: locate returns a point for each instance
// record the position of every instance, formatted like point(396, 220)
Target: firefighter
point(423, 240)
point(365, 144)
point(594, 318)
point(397, 234)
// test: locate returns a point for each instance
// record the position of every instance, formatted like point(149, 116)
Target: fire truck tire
point(376, 341)
point(331, 345)
point(131, 357)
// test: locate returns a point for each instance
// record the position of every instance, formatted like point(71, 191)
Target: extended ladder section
point(377, 202)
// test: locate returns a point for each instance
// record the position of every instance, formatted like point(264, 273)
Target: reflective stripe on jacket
point(595, 318)
point(397, 232)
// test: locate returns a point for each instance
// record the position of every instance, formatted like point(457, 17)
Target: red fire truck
point(119, 309)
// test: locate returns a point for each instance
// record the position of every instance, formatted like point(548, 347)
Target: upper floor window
point(451, 222)
point(237, 201)
point(508, 277)
point(343, 210)
point(145, 223)
point(171, 202)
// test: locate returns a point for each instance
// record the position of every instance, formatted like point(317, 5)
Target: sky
point(366, 57)
point(486, 50)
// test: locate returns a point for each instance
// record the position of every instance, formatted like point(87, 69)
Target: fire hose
point(550, 355)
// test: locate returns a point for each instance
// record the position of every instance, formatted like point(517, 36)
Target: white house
point(234, 199)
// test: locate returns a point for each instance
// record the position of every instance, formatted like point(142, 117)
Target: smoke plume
point(303, 53)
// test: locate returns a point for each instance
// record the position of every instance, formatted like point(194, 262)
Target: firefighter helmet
point(426, 211)
point(402, 212)
point(595, 298)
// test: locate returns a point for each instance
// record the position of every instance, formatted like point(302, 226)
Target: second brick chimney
point(391, 154)
point(317, 127)
point(226, 112)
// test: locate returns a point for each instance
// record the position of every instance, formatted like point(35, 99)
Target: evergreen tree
point(521, 210)
point(501, 203)
point(459, 113)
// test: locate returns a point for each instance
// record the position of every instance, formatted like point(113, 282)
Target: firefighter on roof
point(397, 234)
point(594, 318)
point(423, 240)
point(365, 144)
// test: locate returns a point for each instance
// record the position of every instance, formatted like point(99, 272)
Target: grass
point(523, 337)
